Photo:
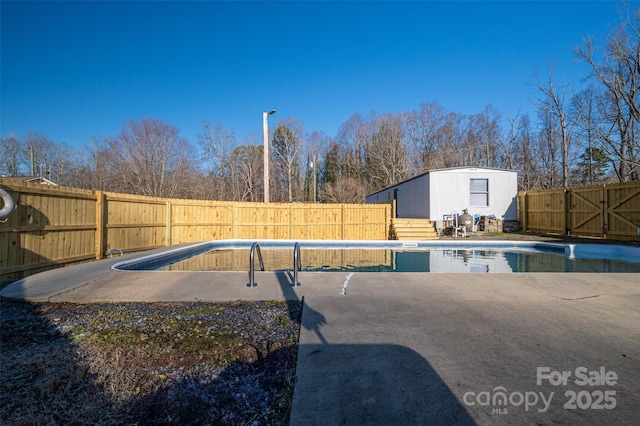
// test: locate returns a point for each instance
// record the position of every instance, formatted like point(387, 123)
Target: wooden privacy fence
point(604, 211)
point(54, 226)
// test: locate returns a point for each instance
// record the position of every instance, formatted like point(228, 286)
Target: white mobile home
point(438, 193)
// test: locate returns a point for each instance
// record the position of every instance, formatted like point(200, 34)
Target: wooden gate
point(585, 210)
point(602, 211)
point(622, 210)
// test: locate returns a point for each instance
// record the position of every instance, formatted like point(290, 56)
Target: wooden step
point(413, 229)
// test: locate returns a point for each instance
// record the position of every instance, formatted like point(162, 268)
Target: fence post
point(525, 212)
point(388, 218)
point(100, 224)
point(604, 214)
point(168, 230)
point(342, 222)
point(566, 206)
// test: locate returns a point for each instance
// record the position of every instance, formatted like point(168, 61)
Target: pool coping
point(571, 250)
point(75, 283)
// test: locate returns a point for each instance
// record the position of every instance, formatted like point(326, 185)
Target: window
point(479, 196)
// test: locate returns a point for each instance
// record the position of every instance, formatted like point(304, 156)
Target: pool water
point(445, 260)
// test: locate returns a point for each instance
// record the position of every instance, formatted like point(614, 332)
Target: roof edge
point(441, 170)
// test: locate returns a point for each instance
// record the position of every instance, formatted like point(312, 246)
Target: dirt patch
point(148, 363)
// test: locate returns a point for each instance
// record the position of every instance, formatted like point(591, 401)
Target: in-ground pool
point(396, 256)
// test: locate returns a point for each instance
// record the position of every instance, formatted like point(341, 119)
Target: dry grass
point(136, 363)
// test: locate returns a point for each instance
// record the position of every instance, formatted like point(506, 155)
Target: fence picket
point(48, 219)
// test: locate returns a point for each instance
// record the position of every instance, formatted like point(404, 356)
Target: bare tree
point(471, 146)
point(217, 145)
point(286, 147)
point(424, 129)
point(553, 106)
point(72, 168)
point(148, 157)
point(344, 190)
point(593, 161)
point(617, 69)
point(386, 152)
point(488, 127)
point(525, 156)
point(351, 140)
point(450, 148)
point(317, 143)
point(247, 161)
point(40, 153)
point(547, 151)
point(508, 154)
point(10, 158)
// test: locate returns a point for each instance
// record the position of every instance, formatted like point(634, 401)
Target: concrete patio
point(420, 348)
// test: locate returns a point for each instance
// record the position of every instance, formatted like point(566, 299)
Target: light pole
point(265, 131)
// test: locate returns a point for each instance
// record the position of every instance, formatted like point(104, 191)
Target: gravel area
point(148, 363)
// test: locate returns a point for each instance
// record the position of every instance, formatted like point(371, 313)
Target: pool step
point(412, 229)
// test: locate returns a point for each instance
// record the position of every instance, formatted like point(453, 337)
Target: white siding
point(451, 190)
point(441, 192)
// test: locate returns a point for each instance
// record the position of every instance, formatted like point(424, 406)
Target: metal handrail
point(254, 247)
point(297, 263)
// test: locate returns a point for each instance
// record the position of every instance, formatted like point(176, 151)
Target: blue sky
point(78, 69)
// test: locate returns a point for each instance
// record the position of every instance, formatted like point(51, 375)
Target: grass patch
point(137, 363)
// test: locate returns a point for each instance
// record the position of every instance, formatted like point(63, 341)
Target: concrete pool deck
point(420, 348)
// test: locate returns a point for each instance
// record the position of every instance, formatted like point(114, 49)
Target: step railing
point(297, 264)
point(255, 247)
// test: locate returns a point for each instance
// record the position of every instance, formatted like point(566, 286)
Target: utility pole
point(265, 135)
point(33, 166)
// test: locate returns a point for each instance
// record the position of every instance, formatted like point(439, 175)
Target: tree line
point(574, 138)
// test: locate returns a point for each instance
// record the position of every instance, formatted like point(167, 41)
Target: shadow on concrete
point(372, 384)
point(311, 319)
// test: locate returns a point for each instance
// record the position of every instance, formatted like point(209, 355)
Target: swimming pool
point(396, 256)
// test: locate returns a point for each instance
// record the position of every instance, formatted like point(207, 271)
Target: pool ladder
point(255, 248)
point(297, 264)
